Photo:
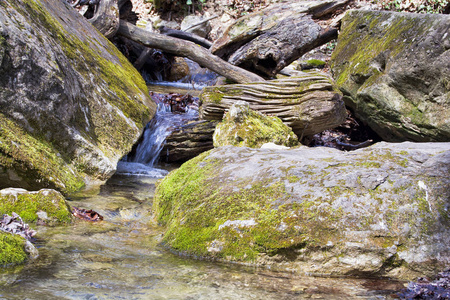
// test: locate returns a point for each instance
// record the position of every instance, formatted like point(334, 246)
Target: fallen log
point(308, 104)
point(185, 36)
point(188, 49)
point(106, 18)
point(266, 41)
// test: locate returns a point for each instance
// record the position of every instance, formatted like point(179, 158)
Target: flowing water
point(121, 258)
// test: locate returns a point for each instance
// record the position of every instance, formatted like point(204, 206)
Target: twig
point(201, 22)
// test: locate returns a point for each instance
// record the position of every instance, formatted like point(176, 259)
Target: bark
point(265, 42)
point(106, 18)
point(308, 104)
point(188, 49)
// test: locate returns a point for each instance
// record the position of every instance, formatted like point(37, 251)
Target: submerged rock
point(381, 210)
point(244, 127)
point(71, 105)
point(394, 71)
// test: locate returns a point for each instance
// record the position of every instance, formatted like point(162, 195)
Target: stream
point(122, 257)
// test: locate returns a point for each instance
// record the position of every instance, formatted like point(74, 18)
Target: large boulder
point(244, 127)
point(71, 104)
point(308, 103)
point(381, 210)
point(394, 71)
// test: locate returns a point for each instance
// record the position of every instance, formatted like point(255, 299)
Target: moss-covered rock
point(394, 71)
point(71, 104)
point(46, 205)
point(244, 127)
point(12, 249)
point(382, 210)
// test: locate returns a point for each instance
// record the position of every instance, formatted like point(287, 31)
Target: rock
point(179, 69)
point(308, 103)
point(12, 248)
point(377, 211)
point(46, 205)
point(394, 71)
point(244, 127)
point(188, 141)
point(71, 105)
point(200, 30)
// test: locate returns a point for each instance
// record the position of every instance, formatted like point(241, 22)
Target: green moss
point(316, 62)
point(12, 249)
point(26, 205)
point(35, 159)
point(253, 131)
point(193, 203)
point(360, 54)
point(215, 97)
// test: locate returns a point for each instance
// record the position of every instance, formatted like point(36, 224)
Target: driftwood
point(266, 41)
point(106, 18)
point(185, 36)
point(308, 104)
point(188, 49)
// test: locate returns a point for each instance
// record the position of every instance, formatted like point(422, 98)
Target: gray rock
point(394, 71)
point(381, 210)
point(71, 105)
point(201, 30)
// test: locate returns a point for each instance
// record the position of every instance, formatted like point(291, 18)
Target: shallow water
point(121, 258)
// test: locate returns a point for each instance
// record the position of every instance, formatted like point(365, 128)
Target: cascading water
point(173, 111)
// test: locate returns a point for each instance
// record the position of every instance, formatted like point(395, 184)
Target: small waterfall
point(173, 111)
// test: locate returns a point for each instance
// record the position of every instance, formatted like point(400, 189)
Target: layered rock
point(71, 104)
point(188, 141)
point(308, 103)
point(244, 127)
point(381, 210)
point(394, 71)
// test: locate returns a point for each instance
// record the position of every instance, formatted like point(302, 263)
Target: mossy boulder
point(12, 249)
point(382, 210)
point(394, 72)
point(244, 127)
point(71, 104)
point(48, 206)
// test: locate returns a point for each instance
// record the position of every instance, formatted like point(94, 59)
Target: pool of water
point(121, 258)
